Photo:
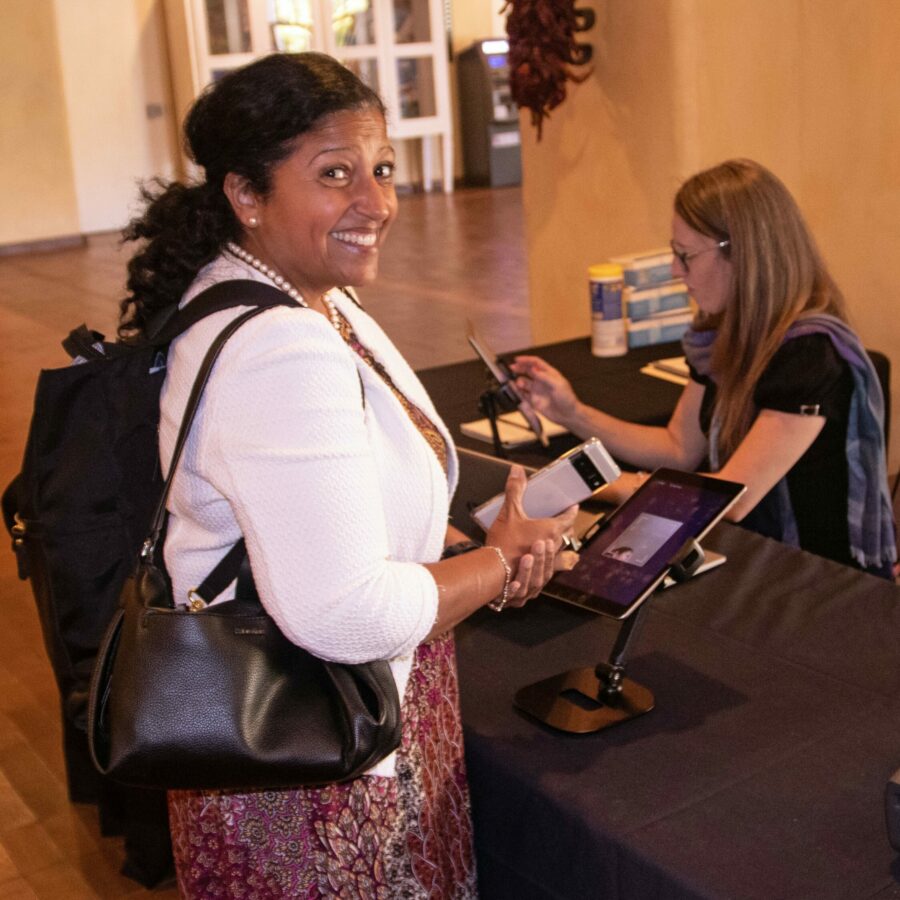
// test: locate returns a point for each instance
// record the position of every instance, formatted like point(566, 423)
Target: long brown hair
point(777, 276)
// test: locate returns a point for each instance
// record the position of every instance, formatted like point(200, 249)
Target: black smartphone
point(505, 377)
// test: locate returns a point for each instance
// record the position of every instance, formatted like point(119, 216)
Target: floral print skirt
point(376, 837)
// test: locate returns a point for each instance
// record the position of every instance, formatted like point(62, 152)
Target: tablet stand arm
point(611, 674)
point(495, 400)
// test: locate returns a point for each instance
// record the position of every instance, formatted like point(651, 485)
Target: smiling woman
point(329, 208)
point(316, 443)
point(298, 167)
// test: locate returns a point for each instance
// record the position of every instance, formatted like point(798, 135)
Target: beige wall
point(475, 19)
point(81, 84)
point(87, 110)
point(117, 93)
point(810, 88)
point(36, 179)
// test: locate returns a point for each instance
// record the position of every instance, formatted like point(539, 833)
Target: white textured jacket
point(339, 500)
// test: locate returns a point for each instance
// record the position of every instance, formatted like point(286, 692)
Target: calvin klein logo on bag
point(240, 630)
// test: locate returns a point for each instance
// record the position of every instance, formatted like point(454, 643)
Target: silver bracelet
point(499, 602)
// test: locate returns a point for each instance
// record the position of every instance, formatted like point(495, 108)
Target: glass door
point(352, 36)
point(417, 71)
point(226, 31)
point(293, 25)
point(397, 47)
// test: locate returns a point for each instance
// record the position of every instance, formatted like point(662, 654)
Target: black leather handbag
point(216, 697)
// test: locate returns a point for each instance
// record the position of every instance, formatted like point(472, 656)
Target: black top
point(806, 375)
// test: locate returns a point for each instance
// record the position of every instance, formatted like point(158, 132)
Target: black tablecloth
point(614, 384)
point(759, 774)
point(761, 771)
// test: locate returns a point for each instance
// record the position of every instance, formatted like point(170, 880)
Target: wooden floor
point(450, 258)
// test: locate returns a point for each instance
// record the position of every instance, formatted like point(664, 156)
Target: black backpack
point(80, 508)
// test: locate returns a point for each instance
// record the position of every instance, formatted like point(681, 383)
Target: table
point(761, 771)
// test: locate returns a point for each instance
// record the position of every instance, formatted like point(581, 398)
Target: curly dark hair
point(244, 123)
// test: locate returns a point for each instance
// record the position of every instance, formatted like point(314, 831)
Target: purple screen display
point(632, 551)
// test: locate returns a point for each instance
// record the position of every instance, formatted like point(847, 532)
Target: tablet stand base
point(582, 701)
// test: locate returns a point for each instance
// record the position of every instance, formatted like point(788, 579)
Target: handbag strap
point(229, 294)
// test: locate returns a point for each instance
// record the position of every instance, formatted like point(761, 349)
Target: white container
point(608, 336)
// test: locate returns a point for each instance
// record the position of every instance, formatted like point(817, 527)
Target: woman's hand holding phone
point(533, 547)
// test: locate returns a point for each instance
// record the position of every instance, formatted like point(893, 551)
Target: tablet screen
point(632, 550)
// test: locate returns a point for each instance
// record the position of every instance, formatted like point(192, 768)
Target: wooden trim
point(47, 245)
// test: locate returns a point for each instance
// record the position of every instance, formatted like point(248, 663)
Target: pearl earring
point(252, 222)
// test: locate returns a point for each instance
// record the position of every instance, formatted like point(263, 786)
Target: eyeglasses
point(685, 256)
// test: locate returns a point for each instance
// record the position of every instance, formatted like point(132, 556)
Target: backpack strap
point(84, 343)
point(234, 556)
point(168, 323)
point(224, 295)
point(13, 499)
point(190, 410)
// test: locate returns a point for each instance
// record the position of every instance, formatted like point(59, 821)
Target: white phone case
point(570, 479)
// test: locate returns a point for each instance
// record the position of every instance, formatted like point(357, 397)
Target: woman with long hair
point(782, 396)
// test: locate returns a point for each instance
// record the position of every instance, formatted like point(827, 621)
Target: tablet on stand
point(653, 536)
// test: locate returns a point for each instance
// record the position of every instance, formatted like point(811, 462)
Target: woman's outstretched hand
point(544, 388)
point(533, 547)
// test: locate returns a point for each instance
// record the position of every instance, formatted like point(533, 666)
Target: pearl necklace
point(280, 282)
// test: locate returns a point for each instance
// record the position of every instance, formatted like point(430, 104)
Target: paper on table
point(512, 427)
point(672, 368)
point(664, 376)
point(676, 365)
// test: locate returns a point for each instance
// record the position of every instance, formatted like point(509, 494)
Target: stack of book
point(672, 368)
point(657, 306)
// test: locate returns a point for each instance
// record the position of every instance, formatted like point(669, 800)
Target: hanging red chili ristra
point(542, 47)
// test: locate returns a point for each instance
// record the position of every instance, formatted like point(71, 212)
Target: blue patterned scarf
point(870, 515)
